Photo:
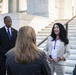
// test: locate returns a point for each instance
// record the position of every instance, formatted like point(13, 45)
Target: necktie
point(8, 33)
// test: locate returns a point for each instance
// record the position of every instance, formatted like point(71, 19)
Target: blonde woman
point(26, 58)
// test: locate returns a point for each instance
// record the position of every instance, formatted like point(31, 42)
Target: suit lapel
point(5, 33)
point(12, 32)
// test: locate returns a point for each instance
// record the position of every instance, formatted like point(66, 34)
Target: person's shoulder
point(43, 54)
point(9, 53)
point(9, 56)
point(49, 37)
point(14, 29)
point(2, 28)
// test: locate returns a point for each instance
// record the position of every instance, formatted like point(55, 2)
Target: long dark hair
point(62, 34)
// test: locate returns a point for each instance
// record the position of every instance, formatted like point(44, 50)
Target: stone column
point(74, 7)
point(52, 9)
point(13, 6)
point(23, 6)
point(61, 9)
point(64, 9)
point(68, 13)
point(37, 7)
point(45, 8)
point(57, 6)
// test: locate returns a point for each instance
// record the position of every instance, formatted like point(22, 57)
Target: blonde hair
point(26, 50)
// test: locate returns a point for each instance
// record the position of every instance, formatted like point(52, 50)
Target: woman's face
point(56, 29)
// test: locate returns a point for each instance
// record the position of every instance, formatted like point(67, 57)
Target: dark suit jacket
point(5, 43)
point(74, 71)
point(39, 67)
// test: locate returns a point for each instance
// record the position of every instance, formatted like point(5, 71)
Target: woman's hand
point(56, 60)
point(51, 60)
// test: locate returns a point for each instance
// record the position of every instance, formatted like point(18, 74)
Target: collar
point(7, 28)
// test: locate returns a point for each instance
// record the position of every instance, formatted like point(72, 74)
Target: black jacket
point(39, 67)
point(5, 43)
point(74, 71)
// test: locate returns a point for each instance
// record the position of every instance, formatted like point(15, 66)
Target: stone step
point(70, 63)
point(72, 57)
point(72, 38)
point(72, 22)
point(65, 74)
point(69, 70)
point(72, 34)
point(73, 47)
point(72, 42)
point(73, 51)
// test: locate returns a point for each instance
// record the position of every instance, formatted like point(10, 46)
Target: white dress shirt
point(9, 30)
point(55, 47)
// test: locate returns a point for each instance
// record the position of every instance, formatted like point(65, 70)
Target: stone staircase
point(71, 61)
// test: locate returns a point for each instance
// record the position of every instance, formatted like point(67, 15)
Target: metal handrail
point(66, 24)
point(70, 20)
point(42, 41)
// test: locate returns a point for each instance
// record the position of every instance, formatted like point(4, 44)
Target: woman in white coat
point(57, 48)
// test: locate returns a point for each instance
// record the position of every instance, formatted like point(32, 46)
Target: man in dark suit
point(7, 41)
